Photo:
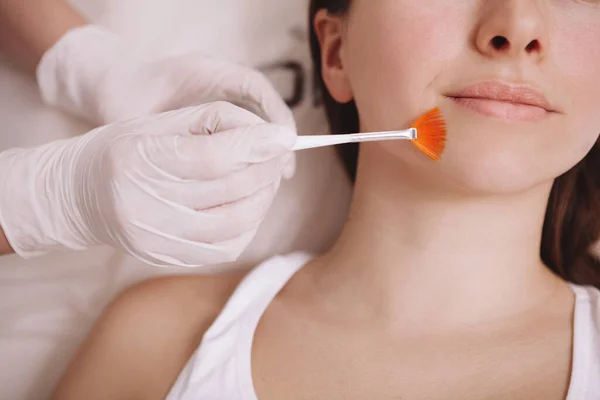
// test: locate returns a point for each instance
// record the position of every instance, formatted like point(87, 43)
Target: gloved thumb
point(251, 90)
point(188, 155)
point(206, 119)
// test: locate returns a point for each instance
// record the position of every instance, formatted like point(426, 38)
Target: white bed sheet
point(48, 304)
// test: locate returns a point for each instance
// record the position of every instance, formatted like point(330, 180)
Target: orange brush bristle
point(431, 134)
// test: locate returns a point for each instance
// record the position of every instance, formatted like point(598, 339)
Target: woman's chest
point(306, 363)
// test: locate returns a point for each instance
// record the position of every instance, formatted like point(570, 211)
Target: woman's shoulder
point(152, 329)
point(149, 330)
point(187, 304)
point(203, 294)
point(198, 299)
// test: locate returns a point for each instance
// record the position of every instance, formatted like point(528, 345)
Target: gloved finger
point(174, 251)
point(202, 238)
point(205, 119)
point(250, 89)
point(200, 195)
point(208, 157)
point(257, 90)
point(230, 220)
point(222, 116)
point(193, 254)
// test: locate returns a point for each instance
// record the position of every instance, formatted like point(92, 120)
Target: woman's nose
point(512, 29)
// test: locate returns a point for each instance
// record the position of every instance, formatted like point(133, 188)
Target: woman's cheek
point(578, 58)
point(392, 66)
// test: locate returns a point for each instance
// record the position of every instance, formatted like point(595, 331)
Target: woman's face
point(518, 82)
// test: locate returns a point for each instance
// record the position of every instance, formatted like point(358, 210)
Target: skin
point(28, 28)
point(5, 247)
point(435, 289)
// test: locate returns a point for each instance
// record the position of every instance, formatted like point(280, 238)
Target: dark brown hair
point(572, 223)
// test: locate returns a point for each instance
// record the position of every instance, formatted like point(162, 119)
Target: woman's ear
point(329, 31)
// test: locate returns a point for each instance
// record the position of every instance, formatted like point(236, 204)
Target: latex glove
point(163, 188)
point(93, 74)
point(90, 72)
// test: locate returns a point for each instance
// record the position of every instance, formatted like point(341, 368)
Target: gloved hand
point(185, 188)
point(90, 72)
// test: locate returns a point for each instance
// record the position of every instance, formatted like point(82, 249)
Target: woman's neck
point(408, 252)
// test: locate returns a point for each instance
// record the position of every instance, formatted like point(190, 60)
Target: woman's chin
point(473, 169)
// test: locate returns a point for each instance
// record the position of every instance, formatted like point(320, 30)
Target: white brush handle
point(311, 142)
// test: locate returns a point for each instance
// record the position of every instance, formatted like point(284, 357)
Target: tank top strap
point(256, 291)
point(221, 369)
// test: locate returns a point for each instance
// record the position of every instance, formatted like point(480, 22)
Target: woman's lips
point(504, 110)
point(506, 101)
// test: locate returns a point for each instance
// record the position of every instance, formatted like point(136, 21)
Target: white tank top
point(220, 369)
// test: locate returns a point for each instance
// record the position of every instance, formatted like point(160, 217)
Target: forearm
point(30, 27)
point(5, 247)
